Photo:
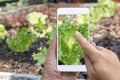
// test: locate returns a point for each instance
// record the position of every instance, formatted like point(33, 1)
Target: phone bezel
point(76, 11)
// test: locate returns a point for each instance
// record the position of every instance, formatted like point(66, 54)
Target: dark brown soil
point(20, 62)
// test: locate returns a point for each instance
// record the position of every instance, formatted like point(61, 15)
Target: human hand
point(102, 64)
point(50, 68)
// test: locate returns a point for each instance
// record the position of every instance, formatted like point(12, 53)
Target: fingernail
point(77, 33)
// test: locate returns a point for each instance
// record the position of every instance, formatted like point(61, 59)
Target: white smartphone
point(69, 52)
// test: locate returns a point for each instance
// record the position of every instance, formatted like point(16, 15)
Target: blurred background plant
point(38, 20)
point(40, 56)
point(23, 2)
point(25, 37)
point(21, 41)
point(105, 8)
point(11, 5)
point(3, 32)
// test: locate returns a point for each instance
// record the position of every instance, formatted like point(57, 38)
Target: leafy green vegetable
point(38, 20)
point(82, 19)
point(105, 8)
point(11, 5)
point(41, 55)
point(3, 32)
point(21, 41)
point(69, 52)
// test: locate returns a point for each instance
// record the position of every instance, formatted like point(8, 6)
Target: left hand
point(50, 68)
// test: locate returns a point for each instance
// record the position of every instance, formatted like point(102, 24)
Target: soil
point(20, 62)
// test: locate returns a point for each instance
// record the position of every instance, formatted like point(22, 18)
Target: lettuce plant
point(38, 20)
point(3, 32)
point(21, 41)
point(40, 56)
point(69, 52)
point(105, 8)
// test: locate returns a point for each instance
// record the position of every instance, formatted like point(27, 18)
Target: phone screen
point(69, 51)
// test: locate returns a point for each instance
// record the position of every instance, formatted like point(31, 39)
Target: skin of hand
point(50, 67)
point(102, 64)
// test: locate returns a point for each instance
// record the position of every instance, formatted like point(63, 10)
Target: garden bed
point(20, 62)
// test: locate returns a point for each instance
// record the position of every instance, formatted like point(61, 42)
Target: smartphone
point(69, 52)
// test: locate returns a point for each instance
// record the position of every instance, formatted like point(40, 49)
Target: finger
point(84, 43)
point(52, 51)
point(88, 48)
point(88, 64)
point(91, 41)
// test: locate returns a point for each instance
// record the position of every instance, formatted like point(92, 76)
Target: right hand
point(102, 64)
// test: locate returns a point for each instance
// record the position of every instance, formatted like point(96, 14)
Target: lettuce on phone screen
point(69, 51)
